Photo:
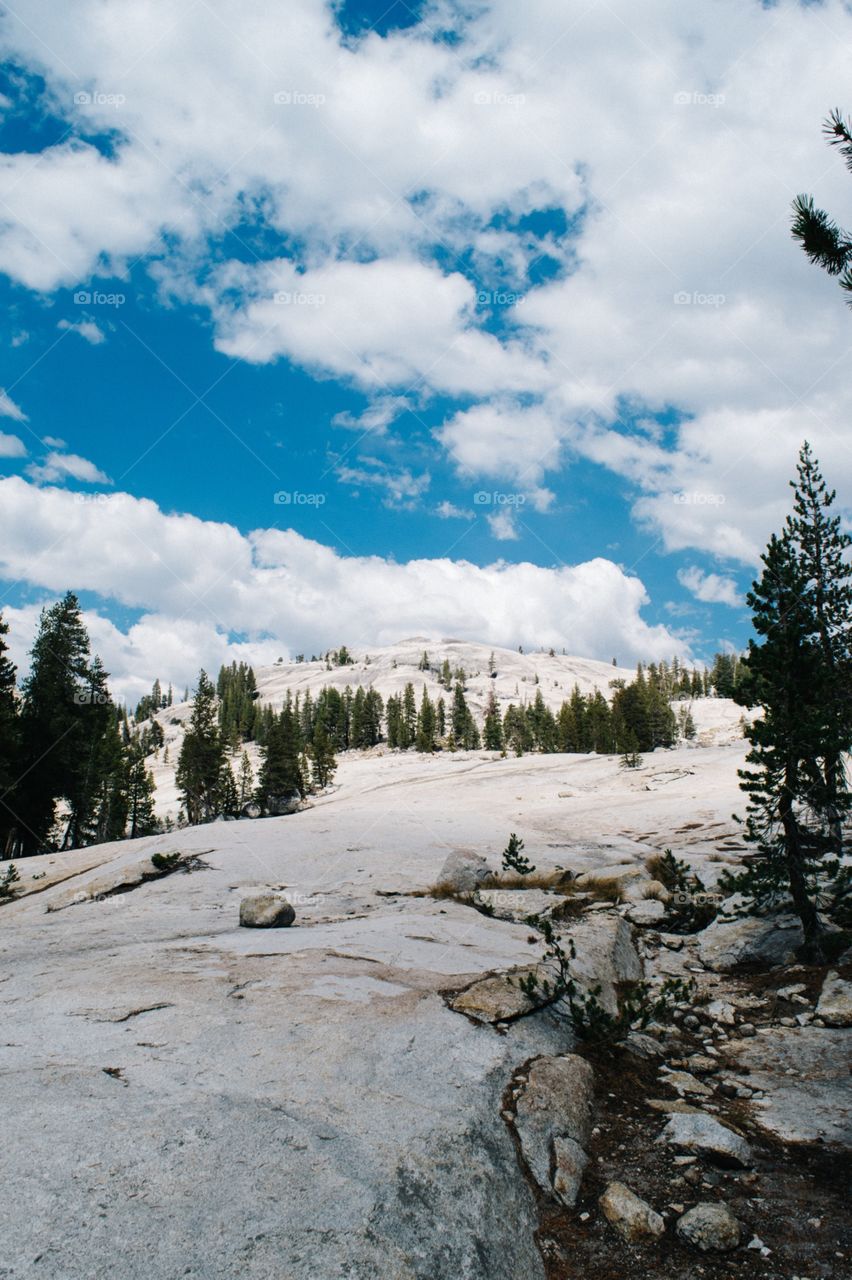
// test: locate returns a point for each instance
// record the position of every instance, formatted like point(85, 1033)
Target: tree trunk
point(795, 858)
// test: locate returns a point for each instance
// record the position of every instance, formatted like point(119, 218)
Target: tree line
point(72, 767)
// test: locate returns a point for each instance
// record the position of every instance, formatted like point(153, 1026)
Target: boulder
point(835, 1001)
point(765, 940)
point(498, 998)
point(710, 1228)
point(266, 911)
point(569, 1163)
point(463, 872)
point(606, 956)
point(702, 1133)
point(278, 806)
point(632, 1218)
point(554, 1102)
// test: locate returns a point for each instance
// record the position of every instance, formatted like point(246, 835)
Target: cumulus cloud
point(11, 446)
point(200, 587)
point(400, 171)
point(711, 588)
point(67, 466)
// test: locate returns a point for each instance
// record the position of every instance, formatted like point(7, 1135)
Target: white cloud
point(449, 511)
point(87, 329)
point(67, 466)
point(11, 446)
point(201, 585)
point(502, 525)
point(376, 418)
point(679, 136)
point(402, 488)
point(8, 408)
point(711, 588)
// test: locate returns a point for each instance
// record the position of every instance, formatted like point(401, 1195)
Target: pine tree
point(823, 553)
point(199, 768)
point(492, 732)
point(10, 742)
point(408, 718)
point(52, 731)
point(426, 724)
point(514, 859)
point(323, 763)
point(141, 817)
point(245, 781)
point(783, 677)
point(282, 777)
point(630, 757)
point(825, 243)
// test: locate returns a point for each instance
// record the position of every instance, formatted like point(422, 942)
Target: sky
point(338, 323)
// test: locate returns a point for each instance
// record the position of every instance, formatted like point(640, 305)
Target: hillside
point(518, 677)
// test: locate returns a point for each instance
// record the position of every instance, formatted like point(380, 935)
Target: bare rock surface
point(183, 1096)
point(804, 1074)
point(769, 940)
point(517, 904)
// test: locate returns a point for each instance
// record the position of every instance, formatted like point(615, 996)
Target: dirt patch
point(794, 1199)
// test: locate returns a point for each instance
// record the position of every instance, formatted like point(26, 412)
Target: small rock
point(682, 1082)
point(700, 1065)
point(710, 1227)
point(266, 911)
point(632, 1218)
point(721, 1011)
point(699, 1132)
point(691, 1021)
point(783, 1022)
point(786, 992)
point(746, 1030)
point(835, 1002)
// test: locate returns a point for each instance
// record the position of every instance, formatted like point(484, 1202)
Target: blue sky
point(503, 306)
